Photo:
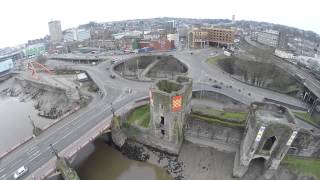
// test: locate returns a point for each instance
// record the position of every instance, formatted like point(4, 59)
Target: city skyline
point(30, 19)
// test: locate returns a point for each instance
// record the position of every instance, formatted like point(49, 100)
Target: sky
point(22, 20)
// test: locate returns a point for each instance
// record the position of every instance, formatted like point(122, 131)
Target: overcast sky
point(28, 19)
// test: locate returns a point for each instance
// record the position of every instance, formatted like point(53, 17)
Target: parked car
point(20, 172)
point(216, 86)
point(112, 76)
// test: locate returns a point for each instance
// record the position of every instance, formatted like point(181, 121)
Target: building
point(269, 38)
point(76, 35)
point(153, 35)
point(170, 27)
point(270, 131)
point(157, 45)
point(175, 39)
point(233, 19)
point(70, 35)
point(202, 37)
point(55, 32)
point(83, 34)
point(285, 54)
point(6, 67)
point(170, 102)
point(35, 50)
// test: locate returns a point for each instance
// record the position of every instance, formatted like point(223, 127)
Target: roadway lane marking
point(31, 151)
point(84, 123)
point(35, 154)
point(15, 162)
point(4, 175)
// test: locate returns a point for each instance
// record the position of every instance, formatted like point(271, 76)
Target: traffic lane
point(63, 137)
point(65, 128)
point(67, 139)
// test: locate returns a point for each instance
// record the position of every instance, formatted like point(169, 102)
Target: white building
point(284, 54)
point(153, 35)
point(83, 34)
point(55, 31)
point(76, 35)
point(70, 35)
point(269, 38)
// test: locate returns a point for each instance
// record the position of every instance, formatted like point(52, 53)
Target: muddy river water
point(108, 163)
point(15, 125)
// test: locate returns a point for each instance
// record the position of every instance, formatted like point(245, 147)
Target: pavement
point(36, 152)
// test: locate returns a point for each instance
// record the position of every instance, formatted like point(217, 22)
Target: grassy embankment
point(305, 117)
point(227, 118)
point(213, 60)
point(306, 166)
point(140, 116)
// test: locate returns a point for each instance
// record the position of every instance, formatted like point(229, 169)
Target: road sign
point(176, 103)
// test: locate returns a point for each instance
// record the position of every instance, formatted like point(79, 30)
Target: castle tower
point(170, 102)
point(270, 130)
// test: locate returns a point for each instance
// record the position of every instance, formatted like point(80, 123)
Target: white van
point(20, 172)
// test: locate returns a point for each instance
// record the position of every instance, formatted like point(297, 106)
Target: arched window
point(269, 143)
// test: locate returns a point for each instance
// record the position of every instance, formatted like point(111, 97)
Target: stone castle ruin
point(170, 102)
point(270, 131)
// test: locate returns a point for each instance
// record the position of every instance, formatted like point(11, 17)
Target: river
point(15, 125)
point(108, 163)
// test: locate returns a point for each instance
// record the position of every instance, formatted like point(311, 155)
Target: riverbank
point(202, 163)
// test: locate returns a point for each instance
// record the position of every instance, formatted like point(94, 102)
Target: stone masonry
point(270, 131)
point(170, 102)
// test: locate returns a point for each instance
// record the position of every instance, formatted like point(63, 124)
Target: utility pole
point(54, 151)
point(112, 110)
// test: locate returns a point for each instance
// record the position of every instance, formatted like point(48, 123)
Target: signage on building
point(293, 135)
point(260, 133)
point(176, 103)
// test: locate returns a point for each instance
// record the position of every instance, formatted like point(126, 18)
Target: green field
point(217, 121)
point(227, 115)
point(227, 118)
point(213, 60)
point(307, 166)
point(305, 117)
point(140, 116)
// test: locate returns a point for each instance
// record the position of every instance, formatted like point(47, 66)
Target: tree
point(42, 59)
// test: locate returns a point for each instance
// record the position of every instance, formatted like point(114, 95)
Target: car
point(216, 86)
point(191, 53)
point(112, 76)
point(20, 172)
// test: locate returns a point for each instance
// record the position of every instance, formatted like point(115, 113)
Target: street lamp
point(112, 110)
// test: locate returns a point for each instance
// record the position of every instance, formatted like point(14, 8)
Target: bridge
point(75, 131)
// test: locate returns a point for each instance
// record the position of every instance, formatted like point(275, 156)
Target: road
point(36, 152)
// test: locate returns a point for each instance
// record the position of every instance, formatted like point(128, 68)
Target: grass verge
point(213, 60)
point(140, 116)
point(307, 166)
point(305, 117)
point(212, 119)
